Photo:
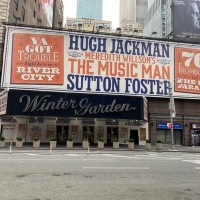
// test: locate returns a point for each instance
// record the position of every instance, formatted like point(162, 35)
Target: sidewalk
point(123, 147)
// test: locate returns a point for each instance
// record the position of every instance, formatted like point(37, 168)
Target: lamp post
point(172, 114)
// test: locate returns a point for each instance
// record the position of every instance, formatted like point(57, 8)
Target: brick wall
point(33, 12)
point(187, 111)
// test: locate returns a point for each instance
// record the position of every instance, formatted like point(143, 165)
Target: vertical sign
point(74, 132)
point(47, 6)
point(3, 104)
point(187, 70)
point(100, 132)
point(22, 130)
point(124, 132)
point(50, 130)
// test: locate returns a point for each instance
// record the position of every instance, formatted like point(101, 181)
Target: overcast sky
point(110, 10)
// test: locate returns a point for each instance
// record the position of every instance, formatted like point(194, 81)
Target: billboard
point(186, 20)
point(47, 6)
point(187, 70)
point(39, 59)
point(62, 61)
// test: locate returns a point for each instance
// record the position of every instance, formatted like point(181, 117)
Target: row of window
point(16, 5)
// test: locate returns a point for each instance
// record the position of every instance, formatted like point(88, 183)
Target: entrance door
point(112, 132)
point(134, 135)
point(62, 133)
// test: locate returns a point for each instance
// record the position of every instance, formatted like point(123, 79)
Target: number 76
point(190, 56)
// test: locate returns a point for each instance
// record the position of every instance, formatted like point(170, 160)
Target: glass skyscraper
point(158, 19)
point(89, 9)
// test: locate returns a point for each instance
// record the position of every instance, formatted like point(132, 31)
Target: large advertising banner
point(186, 20)
point(187, 70)
point(62, 61)
point(39, 59)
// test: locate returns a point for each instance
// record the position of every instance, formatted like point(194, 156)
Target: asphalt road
point(37, 175)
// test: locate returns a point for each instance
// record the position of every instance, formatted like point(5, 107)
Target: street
point(108, 175)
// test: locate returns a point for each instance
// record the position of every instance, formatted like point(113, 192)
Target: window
point(34, 13)
point(16, 3)
point(23, 14)
point(14, 19)
point(39, 21)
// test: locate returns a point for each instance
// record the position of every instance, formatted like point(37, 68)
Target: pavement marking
point(52, 159)
point(80, 154)
point(197, 167)
point(145, 158)
point(115, 167)
point(192, 161)
point(30, 154)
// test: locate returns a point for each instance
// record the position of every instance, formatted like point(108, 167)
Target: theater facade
point(84, 85)
point(80, 116)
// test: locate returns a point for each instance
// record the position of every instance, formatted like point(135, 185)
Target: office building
point(88, 25)
point(37, 12)
point(4, 12)
point(158, 20)
point(58, 13)
point(131, 16)
point(91, 9)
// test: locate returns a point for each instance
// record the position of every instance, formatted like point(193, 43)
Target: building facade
point(37, 12)
point(92, 85)
point(131, 16)
point(27, 12)
point(88, 25)
point(4, 12)
point(92, 9)
point(158, 19)
point(58, 14)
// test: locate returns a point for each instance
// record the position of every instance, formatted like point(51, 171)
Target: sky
point(110, 11)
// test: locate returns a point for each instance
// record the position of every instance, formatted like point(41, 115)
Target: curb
point(96, 149)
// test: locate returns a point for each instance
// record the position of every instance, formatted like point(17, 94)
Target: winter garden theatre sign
point(75, 105)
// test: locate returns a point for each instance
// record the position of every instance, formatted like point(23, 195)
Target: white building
point(88, 25)
point(131, 16)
